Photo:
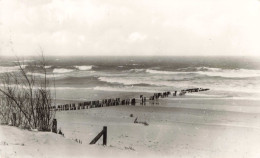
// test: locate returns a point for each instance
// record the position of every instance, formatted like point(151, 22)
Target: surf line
point(142, 100)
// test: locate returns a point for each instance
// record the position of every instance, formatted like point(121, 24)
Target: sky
point(130, 27)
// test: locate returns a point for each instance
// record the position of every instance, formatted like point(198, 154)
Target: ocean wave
point(84, 68)
point(126, 89)
point(37, 87)
point(189, 70)
point(165, 72)
point(23, 61)
point(122, 80)
point(236, 89)
point(228, 73)
point(136, 70)
point(211, 95)
point(62, 70)
point(213, 72)
point(43, 75)
point(69, 88)
point(203, 68)
point(8, 69)
point(229, 87)
point(47, 66)
point(128, 81)
point(4, 69)
point(208, 69)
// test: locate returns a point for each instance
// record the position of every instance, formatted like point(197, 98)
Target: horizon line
point(131, 55)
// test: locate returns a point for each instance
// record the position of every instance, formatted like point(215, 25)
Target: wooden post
point(54, 126)
point(14, 119)
point(104, 133)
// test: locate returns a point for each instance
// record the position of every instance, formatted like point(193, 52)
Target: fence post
point(102, 133)
point(54, 126)
point(105, 135)
point(14, 119)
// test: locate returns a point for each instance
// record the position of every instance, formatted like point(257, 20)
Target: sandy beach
point(178, 127)
point(129, 79)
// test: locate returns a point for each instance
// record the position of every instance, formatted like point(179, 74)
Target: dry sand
point(178, 127)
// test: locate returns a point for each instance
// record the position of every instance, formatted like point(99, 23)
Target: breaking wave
point(4, 69)
point(241, 73)
point(126, 89)
point(164, 72)
point(129, 81)
point(23, 61)
point(43, 75)
point(136, 70)
point(121, 80)
point(8, 69)
point(47, 66)
point(62, 70)
point(203, 68)
point(213, 72)
point(84, 68)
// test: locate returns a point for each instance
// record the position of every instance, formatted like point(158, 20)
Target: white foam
point(4, 69)
point(37, 87)
point(126, 89)
point(157, 81)
point(165, 72)
point(120, 80)
point(25, 86)
point(84, 68)
point(136, 70)
point(69, 88)
point(7, 69)
point(62, 70)
point(23, 61)
point(43, 75)
point(47, 66)
point(203, 68)
point(237, 89)
point(208, 69)
point(240, 73)
point(214, 72)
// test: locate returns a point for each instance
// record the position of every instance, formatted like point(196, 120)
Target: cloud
point(116, 27)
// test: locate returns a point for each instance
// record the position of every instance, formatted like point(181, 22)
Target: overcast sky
point(130, 27)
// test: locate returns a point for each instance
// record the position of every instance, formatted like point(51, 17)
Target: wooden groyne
point(142, 100)
point(192, 90)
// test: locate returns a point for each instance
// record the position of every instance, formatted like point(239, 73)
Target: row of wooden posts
point(117, 101)
point(111, 102)
point(192, 90)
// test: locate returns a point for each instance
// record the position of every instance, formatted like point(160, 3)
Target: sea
point(74, 76)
